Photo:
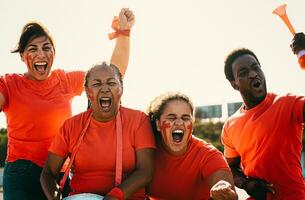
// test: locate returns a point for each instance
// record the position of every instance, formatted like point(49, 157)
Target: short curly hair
point(157, 106)
point(232, 57)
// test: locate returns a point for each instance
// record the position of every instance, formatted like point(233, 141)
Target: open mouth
point(256, 83)
point(41, 67)
point(177, 135)
point(105, 103)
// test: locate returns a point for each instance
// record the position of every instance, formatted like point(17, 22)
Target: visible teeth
point(178, 131)
point(40, 63)
point(105, 98)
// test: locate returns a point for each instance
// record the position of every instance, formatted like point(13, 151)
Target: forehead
point(39, 40)
point(102, 72)
point(178, 107)
point(243, 61)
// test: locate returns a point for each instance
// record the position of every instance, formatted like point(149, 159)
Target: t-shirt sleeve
point(213, 162)
point(4, 90)
point(76, 81)
point(229, 150)
point(144, 137)
point(60, 144)
point(298, 115)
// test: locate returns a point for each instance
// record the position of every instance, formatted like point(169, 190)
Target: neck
point(252, 102)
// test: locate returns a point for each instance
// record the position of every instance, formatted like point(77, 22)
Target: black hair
point(232, 57)
point(29, 32)
point(157, 106)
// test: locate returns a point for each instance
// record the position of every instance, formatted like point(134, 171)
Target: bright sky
point(176, 45)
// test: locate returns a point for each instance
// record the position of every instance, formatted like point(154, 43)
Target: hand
point(298, 42)
point(223, 190)
point(126, 19)
point(258, 188)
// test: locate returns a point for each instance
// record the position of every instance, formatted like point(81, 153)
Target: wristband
point(117, 31)
point(116, 192)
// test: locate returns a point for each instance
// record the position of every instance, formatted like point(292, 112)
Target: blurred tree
point(209, 131)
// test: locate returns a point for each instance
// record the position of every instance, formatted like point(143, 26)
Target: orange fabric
point(94, 164)
point(268, 138)
point(184, 177)
point(36, 110)
point(115, 26)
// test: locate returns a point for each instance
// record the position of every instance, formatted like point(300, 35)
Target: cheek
point(190, 127)
point(90, 93)
point(28, 59)
point(164, 126)
point(51, 58)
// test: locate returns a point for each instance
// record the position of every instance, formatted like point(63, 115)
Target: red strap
point(115, 27)
point(64, 178)
point(119, 150)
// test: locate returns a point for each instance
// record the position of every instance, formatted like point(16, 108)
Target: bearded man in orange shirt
point(263, 139)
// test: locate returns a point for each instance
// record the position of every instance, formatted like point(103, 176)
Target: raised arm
point(140, 177)
point(49, 174)
point(120, 55)
point(255, 187)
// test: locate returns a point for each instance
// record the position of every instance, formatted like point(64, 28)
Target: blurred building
point(218, 112)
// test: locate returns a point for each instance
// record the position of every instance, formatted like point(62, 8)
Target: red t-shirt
point(35, 110)
point(268, 138)
point(184, 177)
point(94, 164)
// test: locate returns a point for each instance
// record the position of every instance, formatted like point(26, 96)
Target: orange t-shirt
point(184, 177)
point(268, 138)
point(36, 110)
point(94, 164)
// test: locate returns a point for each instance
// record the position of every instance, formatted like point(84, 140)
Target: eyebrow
point(109, 79)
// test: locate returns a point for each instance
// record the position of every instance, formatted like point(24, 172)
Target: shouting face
point(104, 91)
point(38, 55)
point(249, 80)
point(176, 126)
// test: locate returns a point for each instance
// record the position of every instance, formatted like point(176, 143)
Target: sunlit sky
point(175, 45)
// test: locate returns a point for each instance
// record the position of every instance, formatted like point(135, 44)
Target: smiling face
point(176, 126)
point(249, 80)
point(104, 90)
point(38, 55)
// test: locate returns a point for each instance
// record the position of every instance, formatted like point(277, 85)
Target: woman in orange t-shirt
point(186, 167)
point(93, 137)
point(37, 102)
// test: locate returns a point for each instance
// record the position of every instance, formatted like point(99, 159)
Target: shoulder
point(130, 114)
point(79, 119)
point(11, 77)
point(66, 74)
point(202, 146)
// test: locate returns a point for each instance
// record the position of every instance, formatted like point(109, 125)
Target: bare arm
point(141, 176)
point(255, 187)
point(49, 174)
point(222, 185)
point(120, 55)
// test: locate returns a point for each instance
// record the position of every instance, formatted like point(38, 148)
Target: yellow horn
point(281, 12)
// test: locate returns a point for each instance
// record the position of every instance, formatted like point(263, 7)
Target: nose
point(252, 74)
point(104, 88)
point(178, 121)
point(40, 53)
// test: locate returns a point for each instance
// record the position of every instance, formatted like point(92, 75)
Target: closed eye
point(112, 83)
